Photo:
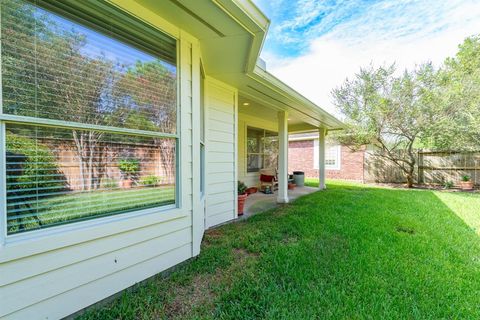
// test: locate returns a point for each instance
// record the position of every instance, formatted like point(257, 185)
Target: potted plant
point(242, 196)
point(466, 183)
point(129, 168)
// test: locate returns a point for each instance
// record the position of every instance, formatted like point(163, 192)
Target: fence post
point(421, 173)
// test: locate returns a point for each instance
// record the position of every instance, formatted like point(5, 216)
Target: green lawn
point(75, 206)
point(350, 252)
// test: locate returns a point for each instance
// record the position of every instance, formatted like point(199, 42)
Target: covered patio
point(266, 117)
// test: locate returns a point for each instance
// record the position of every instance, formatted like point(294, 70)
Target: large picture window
point(89, 119)
point(262, 149)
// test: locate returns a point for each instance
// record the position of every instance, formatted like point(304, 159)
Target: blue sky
point(313, 45)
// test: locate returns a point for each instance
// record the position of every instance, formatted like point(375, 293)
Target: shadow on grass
point(347, 252)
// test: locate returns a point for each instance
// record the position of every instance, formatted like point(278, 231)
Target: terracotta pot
point(466, 185)
point(291, 186)
point(241, 203)
point(251, 190)
point(127, 184)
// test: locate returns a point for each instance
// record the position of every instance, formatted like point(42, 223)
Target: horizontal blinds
point(57, 68)
point(101, 98)
point(105, 17)
point(61, 175)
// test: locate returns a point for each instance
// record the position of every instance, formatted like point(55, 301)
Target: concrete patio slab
point(259, 202)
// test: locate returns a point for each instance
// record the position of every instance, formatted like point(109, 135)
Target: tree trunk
point(79, 146)
point(410, 181)
point(91, 149)
point(410, 175)
point(167, 156)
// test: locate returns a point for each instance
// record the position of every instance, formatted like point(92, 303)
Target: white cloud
point(407, 32)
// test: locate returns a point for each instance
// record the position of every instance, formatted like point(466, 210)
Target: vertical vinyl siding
point(221, 150)
point(46, 283)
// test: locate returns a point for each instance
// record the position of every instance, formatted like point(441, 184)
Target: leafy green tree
point(392, 113)
point(459, 92)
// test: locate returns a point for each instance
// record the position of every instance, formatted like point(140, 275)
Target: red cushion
point(266, 178)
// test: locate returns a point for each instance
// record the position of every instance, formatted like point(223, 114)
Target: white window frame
point(262, 153)
point(116, 222)
point(337, 150)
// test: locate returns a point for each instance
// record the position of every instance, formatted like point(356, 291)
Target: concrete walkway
point(259, 202)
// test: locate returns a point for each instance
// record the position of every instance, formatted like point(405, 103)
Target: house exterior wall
point(52, 273)
point(221, 153)
point(249, 178)
point(301, 158)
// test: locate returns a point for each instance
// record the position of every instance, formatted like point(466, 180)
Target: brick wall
point(300, 157)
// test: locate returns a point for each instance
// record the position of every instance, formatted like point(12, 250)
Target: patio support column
point(321, 158)
point(282, 157)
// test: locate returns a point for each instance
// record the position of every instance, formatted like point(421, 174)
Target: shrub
point(129, 167)
point(466, 178)
point(150, 181)
point(27, 160)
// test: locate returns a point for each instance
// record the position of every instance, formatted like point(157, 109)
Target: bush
point(466, 178)
point(150, 181)
point(129, 167)
point(27, 160)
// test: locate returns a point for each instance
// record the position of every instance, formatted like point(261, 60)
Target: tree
point(392, 113)
point(46, 74)
point(151, 88)
point(459, 91)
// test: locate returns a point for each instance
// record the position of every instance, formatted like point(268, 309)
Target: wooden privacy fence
point(433, 167)
point(437, 167)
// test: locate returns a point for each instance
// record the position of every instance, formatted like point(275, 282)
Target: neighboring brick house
point(341, 162)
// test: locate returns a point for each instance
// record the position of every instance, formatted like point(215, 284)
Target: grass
point(349, 252)
point(75, 206)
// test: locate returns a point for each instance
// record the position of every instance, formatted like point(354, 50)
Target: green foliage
point(31, 159)
point(241, 188)
point(391, 112)
point(466, 178)
point(423, 108)
point(150, 181)
point(460, 100)
point(129, 166)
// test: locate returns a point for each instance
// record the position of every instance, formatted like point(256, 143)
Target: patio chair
point(268, 177)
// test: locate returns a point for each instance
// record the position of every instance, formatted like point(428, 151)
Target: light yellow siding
point(221, 153)
point(68, 268)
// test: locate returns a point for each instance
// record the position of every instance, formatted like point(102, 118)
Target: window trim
point(338, 160)
point(175, 209)
point(254, 153)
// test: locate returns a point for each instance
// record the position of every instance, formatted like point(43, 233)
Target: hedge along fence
point(433, 167)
